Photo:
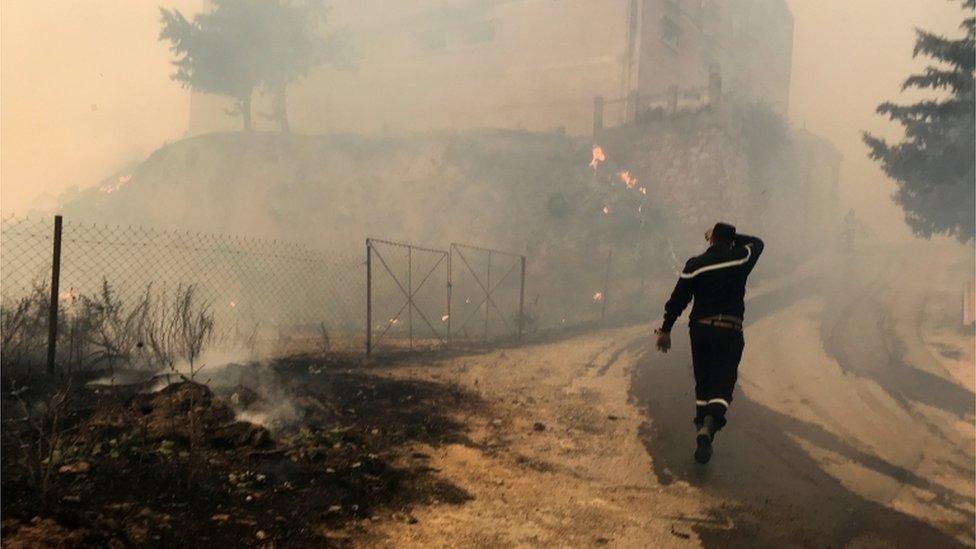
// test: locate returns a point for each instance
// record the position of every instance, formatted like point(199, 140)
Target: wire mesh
point(260, 292)
point(298, 298)
point(409, 296)
point(25, 255)
point(486, 289)
point(26, 251)
point(267, 286)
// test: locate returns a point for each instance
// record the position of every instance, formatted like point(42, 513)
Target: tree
point(214, 53)
point(240, 45)
point(295, 41)
point(933, 166)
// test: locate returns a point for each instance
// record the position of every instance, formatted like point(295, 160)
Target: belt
point(722, 321)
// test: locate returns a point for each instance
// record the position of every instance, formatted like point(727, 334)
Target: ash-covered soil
point(176, 467)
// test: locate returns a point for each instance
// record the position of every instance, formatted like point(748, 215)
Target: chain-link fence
point(486, 293)
point(407, 306)
point(120, 287)
point(256, 295)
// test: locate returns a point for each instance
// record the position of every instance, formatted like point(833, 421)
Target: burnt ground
point(174, 467)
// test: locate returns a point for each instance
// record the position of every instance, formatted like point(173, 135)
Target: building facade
point(532, 64)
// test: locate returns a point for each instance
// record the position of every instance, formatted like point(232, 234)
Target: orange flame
point(643, 190)
point(598, 156)
point(119, 182)
point(606, 210)
point(68, 295)
point(445, 317)
point(627, 179)
point(598, 296)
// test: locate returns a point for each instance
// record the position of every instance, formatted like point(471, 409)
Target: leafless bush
point(243, 339)
point(42, 442)
point(179, 329)
point(23, 327)
point(108, 329)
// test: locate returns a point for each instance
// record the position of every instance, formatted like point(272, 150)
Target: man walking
point(716, 280)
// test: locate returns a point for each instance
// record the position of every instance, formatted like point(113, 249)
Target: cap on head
point(723, 233)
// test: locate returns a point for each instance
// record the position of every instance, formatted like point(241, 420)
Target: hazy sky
point(84, 87)
point(848, 56)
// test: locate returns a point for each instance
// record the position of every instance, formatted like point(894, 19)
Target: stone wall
point(695, 173)
point(753, 172)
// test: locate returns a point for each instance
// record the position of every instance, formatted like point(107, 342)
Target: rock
point(240, 434)
point(77, 468)
point(407, 518)
point(538, 426)
point(137, 533)
point(41, 533)
point(679, 534)
point(260, 535)
point(244, 396)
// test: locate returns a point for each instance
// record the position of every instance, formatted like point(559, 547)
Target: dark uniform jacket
point(716, 280)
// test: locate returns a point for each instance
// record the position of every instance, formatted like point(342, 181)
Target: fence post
point(52, 321)
point(410, 296)
point(369, 298)
point(633, 106)
point(521, 316)
point(715, 91)
point(606, 286)
point(597, 116)
point(487, 295)
point(450, 286)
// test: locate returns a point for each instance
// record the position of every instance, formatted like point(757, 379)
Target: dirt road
point(852, 426)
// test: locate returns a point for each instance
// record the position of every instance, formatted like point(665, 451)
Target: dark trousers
point(715, 354)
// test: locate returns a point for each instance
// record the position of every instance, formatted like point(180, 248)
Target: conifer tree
point(933, 166)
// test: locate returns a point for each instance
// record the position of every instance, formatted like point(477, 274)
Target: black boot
point(706, 432)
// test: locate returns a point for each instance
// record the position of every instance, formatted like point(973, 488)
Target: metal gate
point(487, 293)
point(407, 296)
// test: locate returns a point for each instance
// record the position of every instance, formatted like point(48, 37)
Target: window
point(670, 32)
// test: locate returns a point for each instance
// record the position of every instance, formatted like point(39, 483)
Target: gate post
point(369, 298)
point(488, 296)
point(606, 286)
point(52, 321)
point(450, 286)
point(521, 316)
point(410, 296)
point(597, 116)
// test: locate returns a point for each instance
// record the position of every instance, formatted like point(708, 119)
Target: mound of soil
point(182, 413)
